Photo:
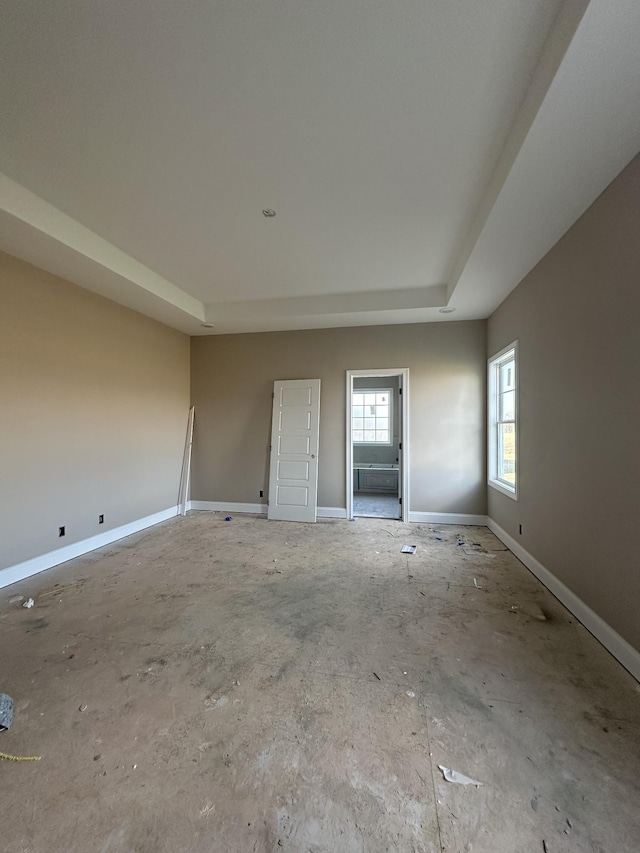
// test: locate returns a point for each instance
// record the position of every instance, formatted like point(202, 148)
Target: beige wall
point(94, 405)
point(232, 382)
point(577, 317)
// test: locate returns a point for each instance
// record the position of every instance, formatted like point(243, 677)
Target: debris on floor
point(207, 810)
point(6, 718)
point(531, 609)
point(459, 778)
point(229, 518)
point(476, 550)
point(29, 603)
point(8, 757)
point(6, 711)
point(409, 549)
point(299, 650)
point(58, 589)
point(475, 583)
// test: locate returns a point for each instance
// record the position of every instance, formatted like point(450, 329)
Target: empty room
point(319, 371)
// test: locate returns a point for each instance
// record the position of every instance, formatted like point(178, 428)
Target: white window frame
point(494, 364)
point(389, 392)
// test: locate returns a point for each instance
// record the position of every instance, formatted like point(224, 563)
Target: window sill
point(505, 490)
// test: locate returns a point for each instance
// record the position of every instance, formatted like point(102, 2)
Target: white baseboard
point(448, 518)
point(260, 509)
point(332, 512)
point(341, 512)
point(20, 571)
point(221, 506)
point(623, 651)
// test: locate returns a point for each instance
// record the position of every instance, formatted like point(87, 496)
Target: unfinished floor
point(263, 686)
point(366, 505)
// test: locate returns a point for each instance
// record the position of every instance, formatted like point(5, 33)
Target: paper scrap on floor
point(409, 549)
point(458, 778)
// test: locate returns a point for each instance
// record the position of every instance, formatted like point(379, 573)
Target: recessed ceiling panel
point(371, 128)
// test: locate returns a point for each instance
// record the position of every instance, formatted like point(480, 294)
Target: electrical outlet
point(261, 493)
point(61, 531)
point(101, 519)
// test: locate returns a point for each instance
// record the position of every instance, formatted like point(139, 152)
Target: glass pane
point(507, 406)
point(369, 423)
point(358, 399)
point(507, 452)
point(382, 435)
point(358, 411)
point(369, 435)
point(369, 399)
point(358, 423)
point(382, 423)
point(382, 399)
point(507, 376)
point(382, 411)
point(358, 435)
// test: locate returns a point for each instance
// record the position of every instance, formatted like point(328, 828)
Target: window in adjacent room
point(371, 416)
point(503, 421)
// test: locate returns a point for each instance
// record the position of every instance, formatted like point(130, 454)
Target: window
point(371, 419)
point(503, 420)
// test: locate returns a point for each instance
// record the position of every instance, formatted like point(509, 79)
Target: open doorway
point(377, 447)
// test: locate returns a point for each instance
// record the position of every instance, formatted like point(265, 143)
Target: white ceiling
point(418, 154)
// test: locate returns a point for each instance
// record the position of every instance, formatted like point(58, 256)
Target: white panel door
point(293, 473)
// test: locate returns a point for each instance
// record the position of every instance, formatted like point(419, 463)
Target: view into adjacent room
point(375, 437)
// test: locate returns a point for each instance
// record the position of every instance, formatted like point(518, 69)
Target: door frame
point(403, 373)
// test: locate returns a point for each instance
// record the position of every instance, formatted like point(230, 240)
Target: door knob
point(313, 455)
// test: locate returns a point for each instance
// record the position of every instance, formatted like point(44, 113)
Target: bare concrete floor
point(263, 686)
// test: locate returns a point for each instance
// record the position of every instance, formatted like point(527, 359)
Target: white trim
point(332, 512)
point(500, 487)
point(221, 506)
point(610, 639)
point(260, 509)
point(185, 474)
point(448, 518)
point(20, 571)
point(403, 472)
point(341, 512)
